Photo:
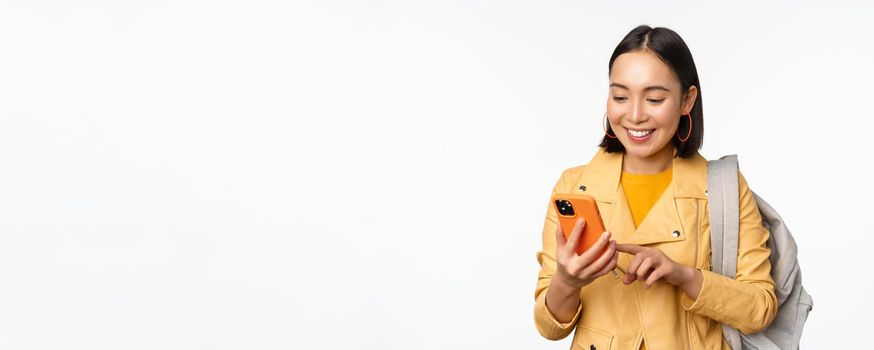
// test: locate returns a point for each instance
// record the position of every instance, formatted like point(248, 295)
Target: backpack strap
point(723, 201)
point(724, 205)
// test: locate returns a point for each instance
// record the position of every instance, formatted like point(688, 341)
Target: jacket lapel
point(663, 223)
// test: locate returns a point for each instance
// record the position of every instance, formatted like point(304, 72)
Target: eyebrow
point(654, 87)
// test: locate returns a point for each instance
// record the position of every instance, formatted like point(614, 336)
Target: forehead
point(640, 69)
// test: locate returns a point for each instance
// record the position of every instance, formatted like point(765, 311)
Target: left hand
point(652, 265)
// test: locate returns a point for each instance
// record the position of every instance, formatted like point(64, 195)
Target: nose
point(637, 114)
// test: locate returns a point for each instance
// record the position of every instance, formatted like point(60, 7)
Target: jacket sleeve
point(748, 302)
point(545, 322)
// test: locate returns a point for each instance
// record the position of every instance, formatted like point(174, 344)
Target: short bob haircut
point(671, 49)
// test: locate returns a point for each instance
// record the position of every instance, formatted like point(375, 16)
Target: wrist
point(689, 276)
point(692, 286)
point(564, 287)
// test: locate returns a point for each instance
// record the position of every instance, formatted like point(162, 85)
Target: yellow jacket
point(617, 316)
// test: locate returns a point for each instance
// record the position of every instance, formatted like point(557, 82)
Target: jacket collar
point(602, 173)
point(600, 179)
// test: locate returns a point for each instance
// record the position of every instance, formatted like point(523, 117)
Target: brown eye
point(656, 101)
point(618, 99)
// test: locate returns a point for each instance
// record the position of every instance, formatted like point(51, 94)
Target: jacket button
point(675, 233)
point(582, 187)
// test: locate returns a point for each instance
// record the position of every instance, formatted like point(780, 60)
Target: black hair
point(669, 47)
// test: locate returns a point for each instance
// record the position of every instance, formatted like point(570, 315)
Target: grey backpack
point(793, 302)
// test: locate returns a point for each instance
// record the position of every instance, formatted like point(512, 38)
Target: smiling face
point(644, 108)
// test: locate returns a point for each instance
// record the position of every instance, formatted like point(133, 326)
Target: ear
point(689, 102)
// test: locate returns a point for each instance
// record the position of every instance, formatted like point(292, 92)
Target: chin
point(636, 152)
point(642, 151)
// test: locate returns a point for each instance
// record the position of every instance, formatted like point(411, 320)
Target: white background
point(375, 175)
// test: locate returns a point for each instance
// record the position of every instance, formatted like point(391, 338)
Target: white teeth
point(636, 133)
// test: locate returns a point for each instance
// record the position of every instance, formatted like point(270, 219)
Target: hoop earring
point(688, 134)
point(605, 128)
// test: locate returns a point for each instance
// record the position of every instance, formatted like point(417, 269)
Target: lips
point(639, 136)
point(640, 133)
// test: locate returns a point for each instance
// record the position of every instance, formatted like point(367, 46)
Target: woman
point(653, 288)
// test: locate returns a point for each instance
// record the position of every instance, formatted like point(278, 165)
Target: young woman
point(654, 288)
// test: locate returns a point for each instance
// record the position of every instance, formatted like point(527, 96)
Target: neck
point(653, 164)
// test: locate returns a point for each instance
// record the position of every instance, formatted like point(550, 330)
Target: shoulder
point(600, 159)
point(574, 171)
point(741, 179)
point(569, 177)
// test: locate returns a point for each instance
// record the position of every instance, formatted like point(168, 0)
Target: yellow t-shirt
point(642, 191)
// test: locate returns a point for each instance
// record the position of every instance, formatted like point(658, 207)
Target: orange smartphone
point(569, 207)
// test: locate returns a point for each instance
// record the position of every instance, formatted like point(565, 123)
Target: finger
point(631, 270)
point(655, 276)
point(603, 260)
point(610, 266)
point(591, 254)
point(630, 248)
point(574, 239)
point(560, 241)
point(620, 268)
point(644, 268)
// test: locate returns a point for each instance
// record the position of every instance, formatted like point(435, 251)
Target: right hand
point(580, 270)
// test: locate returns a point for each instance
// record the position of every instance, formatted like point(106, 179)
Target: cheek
point(667, 120)
point(614, 112)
